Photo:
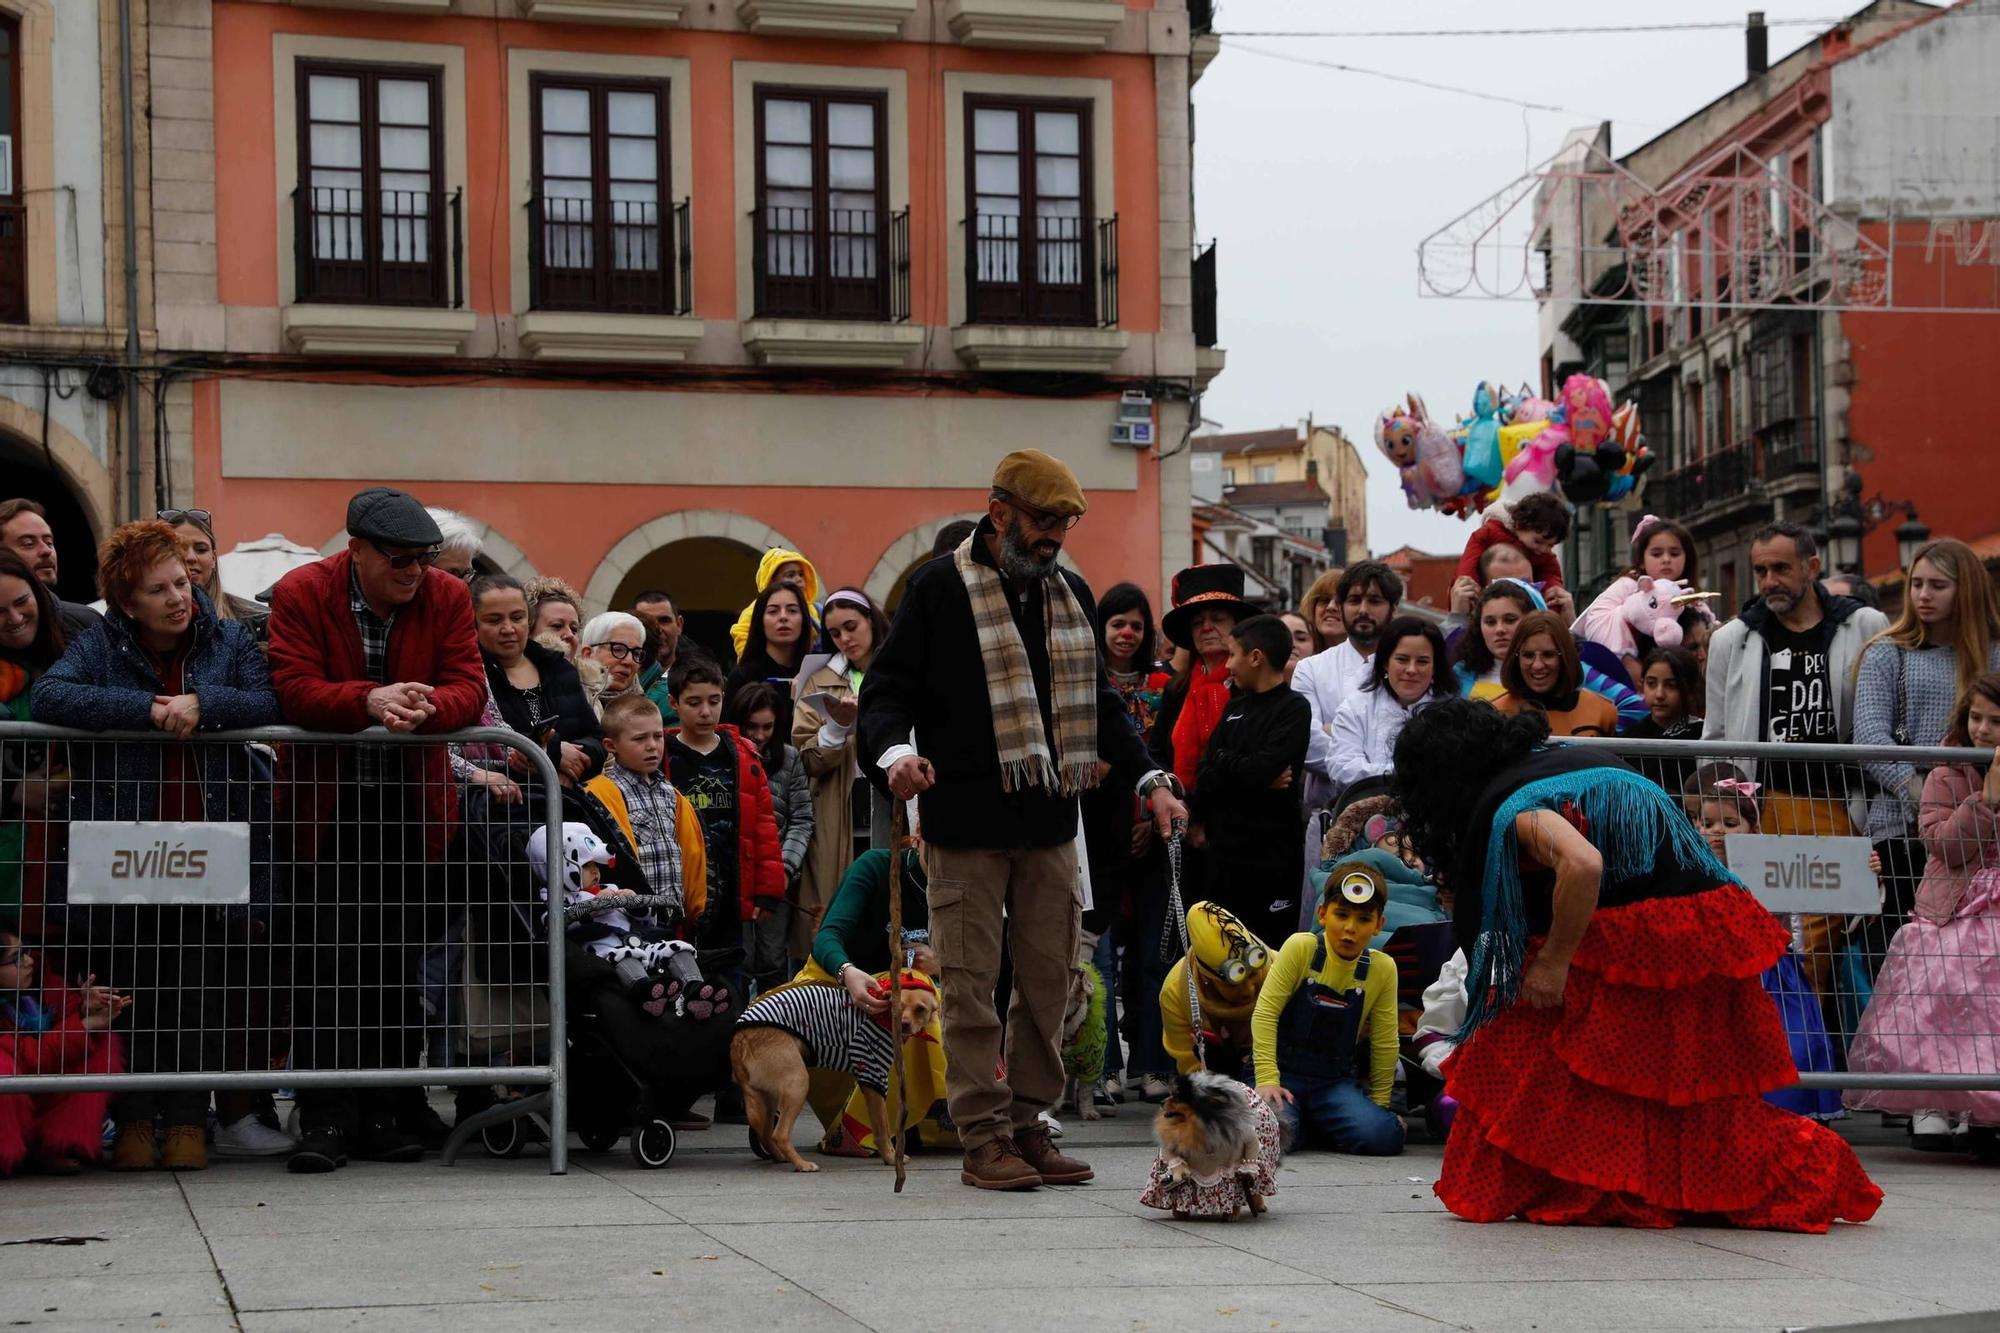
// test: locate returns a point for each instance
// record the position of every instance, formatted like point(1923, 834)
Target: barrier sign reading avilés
point(1815, 875)
point(129, 863)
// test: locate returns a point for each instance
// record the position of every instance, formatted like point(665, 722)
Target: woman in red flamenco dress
point(1617, 1040)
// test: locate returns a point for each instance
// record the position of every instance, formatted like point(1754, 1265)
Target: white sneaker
point(1153, 1088)
point(1930, 1131)
point(251, 1137)
point(1055, 1125)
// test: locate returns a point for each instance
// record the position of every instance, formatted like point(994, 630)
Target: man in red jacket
point(371, 637)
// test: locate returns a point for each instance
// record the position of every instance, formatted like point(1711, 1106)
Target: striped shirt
point(840, 1035)
point(369, 759)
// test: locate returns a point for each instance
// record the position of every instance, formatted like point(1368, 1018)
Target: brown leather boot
point(998, 1166)
point(186, 1149)
point(1038, 1149)
point(133, 1149)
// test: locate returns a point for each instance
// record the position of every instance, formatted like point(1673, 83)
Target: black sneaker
point(424, 1124)
point(320, 1151)
point(382, 1141)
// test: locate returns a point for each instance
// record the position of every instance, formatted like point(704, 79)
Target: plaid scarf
point(1025, 753)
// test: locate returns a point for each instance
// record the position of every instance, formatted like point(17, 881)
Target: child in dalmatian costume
point(626, 929)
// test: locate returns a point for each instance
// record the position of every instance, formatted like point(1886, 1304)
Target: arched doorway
point(711, 580)
point(30, 475)
point(705, 559)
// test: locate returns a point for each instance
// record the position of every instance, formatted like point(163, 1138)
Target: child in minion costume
point(1230, 965)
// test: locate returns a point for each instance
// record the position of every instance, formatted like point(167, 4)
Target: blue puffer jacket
point(105, 682)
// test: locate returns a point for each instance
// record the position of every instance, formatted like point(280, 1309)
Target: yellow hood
point(767, 568)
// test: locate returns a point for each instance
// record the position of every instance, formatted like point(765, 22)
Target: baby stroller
point(505, 1019)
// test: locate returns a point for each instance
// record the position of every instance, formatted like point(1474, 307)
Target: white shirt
point(1326, 679)
point(1364, 734)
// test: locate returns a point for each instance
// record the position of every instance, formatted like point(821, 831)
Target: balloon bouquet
point(1513, 445)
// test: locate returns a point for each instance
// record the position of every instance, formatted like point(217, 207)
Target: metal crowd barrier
point(1892, 983)
point(298, 915)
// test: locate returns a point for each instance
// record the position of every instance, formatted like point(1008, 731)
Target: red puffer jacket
point(322, 683)
point(760, 864)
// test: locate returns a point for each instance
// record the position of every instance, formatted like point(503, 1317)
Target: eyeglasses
point(618, 651)
point(172, 516)
point(13, 957)
point(426, 557)
point(1042, 519)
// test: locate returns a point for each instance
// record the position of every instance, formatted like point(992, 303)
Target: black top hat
point(1199, 588)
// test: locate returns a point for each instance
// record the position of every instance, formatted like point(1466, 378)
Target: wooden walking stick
point(898, 820)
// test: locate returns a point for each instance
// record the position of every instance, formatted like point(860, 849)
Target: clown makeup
point(1721, 818)
point(1663, 557)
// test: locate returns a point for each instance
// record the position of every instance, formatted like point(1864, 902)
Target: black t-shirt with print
point(708, 783)
point(1799, 707)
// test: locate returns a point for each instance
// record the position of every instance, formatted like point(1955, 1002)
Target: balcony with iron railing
point(377, 272)
point(1041, 293)
point(1203, 296)
point(1790, 449)
point(379, 247)
point(830, 287)
point(841, 263)
point(630, 261)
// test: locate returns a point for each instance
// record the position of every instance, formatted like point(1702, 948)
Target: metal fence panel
point(1891, 993)
point(284, 909)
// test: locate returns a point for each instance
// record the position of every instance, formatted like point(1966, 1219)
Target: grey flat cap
point(391, 517)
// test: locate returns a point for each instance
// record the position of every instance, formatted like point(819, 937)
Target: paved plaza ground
point(719, 1240)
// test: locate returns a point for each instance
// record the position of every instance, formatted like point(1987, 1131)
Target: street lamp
point(1844, 535)
point(1911, 535)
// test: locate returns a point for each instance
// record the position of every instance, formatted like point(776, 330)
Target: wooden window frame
point(14, 206)
point(819, 296)
point(314, 274)
point(1058, 304)
point(603, 275)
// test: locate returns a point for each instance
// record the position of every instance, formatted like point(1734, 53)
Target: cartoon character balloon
point(1426, 457)
point(1491, 410)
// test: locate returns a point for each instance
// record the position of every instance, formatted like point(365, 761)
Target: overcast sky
point(1319, 184)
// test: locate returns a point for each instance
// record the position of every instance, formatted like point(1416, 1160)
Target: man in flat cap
point(991, 667)
point(373, 636)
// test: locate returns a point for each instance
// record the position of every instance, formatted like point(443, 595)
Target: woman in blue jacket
point(163, 661)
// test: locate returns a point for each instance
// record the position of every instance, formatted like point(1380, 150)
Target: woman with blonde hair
point(1907, 683)
point(1321, 611)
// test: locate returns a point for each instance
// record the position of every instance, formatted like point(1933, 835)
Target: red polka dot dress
point(1639, 1100)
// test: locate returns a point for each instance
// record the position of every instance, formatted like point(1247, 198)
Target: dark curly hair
point(1445, 757)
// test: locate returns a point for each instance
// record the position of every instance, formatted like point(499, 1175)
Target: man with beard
point(992, 663)
point(1784, 671)
point(1368, 594)
point(24, 530)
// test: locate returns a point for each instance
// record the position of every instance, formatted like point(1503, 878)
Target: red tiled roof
point(1276, 493)
point(1283, 440)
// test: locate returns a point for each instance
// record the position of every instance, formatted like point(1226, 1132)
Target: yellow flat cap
point(1034, 478)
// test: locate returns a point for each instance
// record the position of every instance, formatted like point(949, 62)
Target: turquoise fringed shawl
point(1630, 821)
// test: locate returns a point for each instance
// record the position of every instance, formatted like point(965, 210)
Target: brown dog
point(795, 1028)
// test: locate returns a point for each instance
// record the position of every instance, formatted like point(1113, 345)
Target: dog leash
point(898, 835)
point(1177, 915)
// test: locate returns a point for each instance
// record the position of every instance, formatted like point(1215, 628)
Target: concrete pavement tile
point(1925, 1254)
point(310, 1216)
point(500, 1264)
point(1391, 1247)
point(121, 1252)
point(1224, 1306)
point(777, 1305)
point(830, 1265)
point(1313, 1200)
point(97, 1301)
point(948, 1242)
point(165, 1323)
point(475, 1177)
point(1592, 1306)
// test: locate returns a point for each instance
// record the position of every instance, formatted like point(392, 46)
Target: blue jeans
point(1338, 1114)
point(1105, 960)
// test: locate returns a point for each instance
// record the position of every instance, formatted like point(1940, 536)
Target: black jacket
point(565, 710)
point(1260, 736)
point(927, 677)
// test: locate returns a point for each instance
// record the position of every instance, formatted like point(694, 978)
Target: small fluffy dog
point(1218, 1150)
point(787, 1031)
point(1083, 1041)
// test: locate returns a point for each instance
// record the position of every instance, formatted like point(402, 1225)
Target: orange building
point(647, 286)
